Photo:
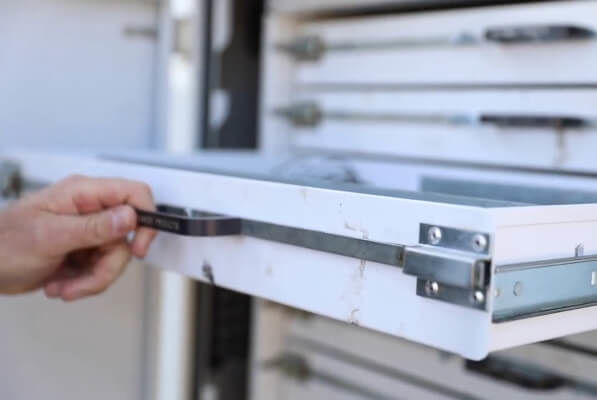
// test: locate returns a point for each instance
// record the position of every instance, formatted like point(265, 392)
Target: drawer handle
point(311, 115)
point(189, 223)
point(537, 33)
point(312, 48)
point(535, 121)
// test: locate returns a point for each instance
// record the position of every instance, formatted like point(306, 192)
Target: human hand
point(71, 238)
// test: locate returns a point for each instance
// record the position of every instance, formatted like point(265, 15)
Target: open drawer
point(466, 275)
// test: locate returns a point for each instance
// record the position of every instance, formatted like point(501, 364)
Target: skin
point(72, 239)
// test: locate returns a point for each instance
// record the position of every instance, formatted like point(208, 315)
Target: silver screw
point(432, 288)
point(497, 292)
point(517, 289)
point(434, 235)
point(479, 242)
point(478, 297)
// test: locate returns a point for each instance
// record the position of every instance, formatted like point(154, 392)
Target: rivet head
point(517, 290)
point(434, 235)
point(479, 242)
point(478, 297)
point(431, 288)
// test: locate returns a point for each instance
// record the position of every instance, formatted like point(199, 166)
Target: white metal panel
point(71, 74)
point(92, 349)
point(486, 63)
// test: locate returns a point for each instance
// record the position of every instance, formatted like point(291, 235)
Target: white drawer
point(450, 272)
point(453, 47)
point(450, 125)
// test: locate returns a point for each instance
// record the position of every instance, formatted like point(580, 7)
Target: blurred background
point(184, 76)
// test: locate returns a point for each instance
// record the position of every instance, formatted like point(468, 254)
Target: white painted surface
point(567, 61)
point(88, 350)
point(71, 77)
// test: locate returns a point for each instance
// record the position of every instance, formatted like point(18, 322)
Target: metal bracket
point(451, 265)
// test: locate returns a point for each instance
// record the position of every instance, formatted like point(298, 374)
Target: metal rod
point(389, 254)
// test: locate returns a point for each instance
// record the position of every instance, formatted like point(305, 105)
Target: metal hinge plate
point(451, 265)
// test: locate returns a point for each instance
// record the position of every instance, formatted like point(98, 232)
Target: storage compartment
point(316, 356)
point(536, 44)
point(402, 86)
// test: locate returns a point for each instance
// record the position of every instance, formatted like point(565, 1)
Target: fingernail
point(53, 289)
point(122, 222)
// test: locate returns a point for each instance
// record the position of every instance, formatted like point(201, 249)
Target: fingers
point(70, 233)
point(142, 241)
point(94, 194)
point(75, 283)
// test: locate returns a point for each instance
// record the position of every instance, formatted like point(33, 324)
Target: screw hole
point(431, 288)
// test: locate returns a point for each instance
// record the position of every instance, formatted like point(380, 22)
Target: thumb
point(93, 230)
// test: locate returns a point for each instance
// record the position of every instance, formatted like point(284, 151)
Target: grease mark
point(208, 274)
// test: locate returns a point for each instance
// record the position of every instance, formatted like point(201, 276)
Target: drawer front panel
point(455, 126)
point(530, 44)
